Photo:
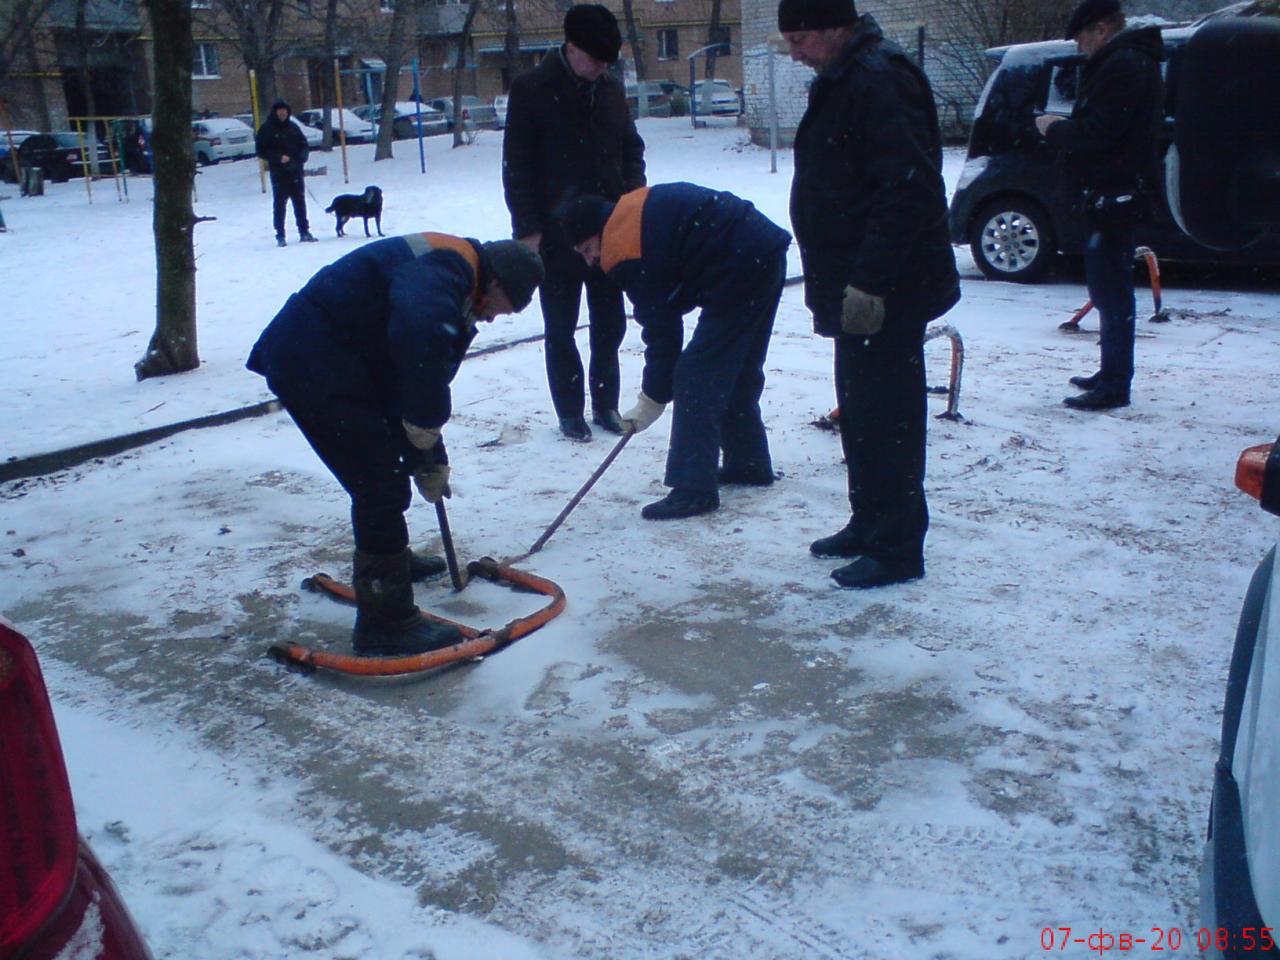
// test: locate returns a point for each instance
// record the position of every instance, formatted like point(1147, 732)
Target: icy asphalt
point(713, 753)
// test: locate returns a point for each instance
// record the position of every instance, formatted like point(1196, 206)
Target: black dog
point(364, 205)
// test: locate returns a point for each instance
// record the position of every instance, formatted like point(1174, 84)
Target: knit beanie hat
point(593, 29)
point(795, 15)
point(585, 218)
point(1088, 13)
point(517, 269)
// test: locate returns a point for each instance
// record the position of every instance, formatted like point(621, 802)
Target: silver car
point(476, 114)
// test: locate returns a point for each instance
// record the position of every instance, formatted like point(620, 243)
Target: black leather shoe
point(744, 476)
point(609, 420)
point(865, 572)
point(843, 543)
point(1085, 383)
point(306, 237)
point(1098, 399)
point(679, 504)
point(575, 428)
point(425, 566)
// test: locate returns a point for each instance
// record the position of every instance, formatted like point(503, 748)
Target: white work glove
point(862, 314)
point(432, 481)
point(424, 438)
point(643, 415)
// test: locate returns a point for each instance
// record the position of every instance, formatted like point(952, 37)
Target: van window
point(1064, 85)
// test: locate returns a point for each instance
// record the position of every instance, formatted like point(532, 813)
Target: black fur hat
point(517, 269)
point(795, 15)
point(593, 29)
point(1088, 13)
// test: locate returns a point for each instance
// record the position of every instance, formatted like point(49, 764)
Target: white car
point(222, 138)
point(314, 136)
point(715, 98)
point(357, 130)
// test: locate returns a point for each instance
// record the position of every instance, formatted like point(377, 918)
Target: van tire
point(1011, 238)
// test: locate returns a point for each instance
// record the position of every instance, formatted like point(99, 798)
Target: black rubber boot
point(866, 572)
point(1086, 383)
point(842, 543)
point(388, 623)
point(679, 504)
point(1099, 398)
point(424, 566)
point(608, 420)
point(575, 428)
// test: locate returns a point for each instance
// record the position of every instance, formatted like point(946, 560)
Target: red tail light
point(466, 114)
point(215, 142)
point(38, 841)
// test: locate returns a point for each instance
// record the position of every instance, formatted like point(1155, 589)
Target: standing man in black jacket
point(283, 145)
point(869, 213)
point(1110, 144)
point(569, 132)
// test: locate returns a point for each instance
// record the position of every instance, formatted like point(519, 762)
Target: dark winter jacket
point(868, 205)
point(389, 322)
point(565, 137)
point(1110, 138)
point(281, 138)
point(678, 246)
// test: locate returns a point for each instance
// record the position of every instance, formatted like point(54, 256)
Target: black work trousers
point(880, 384)
point(718, 382)
point(368, 452)
point(288, 186)
point(561, 299)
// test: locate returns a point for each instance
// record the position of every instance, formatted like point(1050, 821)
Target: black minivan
point(1014, 205)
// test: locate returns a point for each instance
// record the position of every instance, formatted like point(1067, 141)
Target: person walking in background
point(869, 212)
point(283, 145)
point(671, 248)
point(362, 358)
point(569, 132)
point(1110, 145)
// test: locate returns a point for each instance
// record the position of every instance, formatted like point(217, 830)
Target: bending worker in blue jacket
point(672, 248)
point(362, 358)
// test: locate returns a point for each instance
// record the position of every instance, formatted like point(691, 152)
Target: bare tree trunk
point(464, 42)
point(392, 57)
point(86, 85)
point(511, 47)
point(18, 19)
point(327, 93)
point(173, 345)
point(713, 36)
point(633, 37)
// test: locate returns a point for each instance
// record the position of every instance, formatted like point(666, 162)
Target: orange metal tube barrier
point(476, 643)
point(1157, 294)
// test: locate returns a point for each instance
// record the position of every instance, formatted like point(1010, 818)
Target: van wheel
point(1012, 239)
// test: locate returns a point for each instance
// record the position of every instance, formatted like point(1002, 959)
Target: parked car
point(314, 137)
point(56, 900)
point(356, 129)
point(15, 137)
point(58, 155)
point(500, 108)
point(132, 140)
point(718, 95)
point(1015, 205)
point(653, 104)
point(407, 119)
point(221, 138)
point(476, 114)
point(1239, 885)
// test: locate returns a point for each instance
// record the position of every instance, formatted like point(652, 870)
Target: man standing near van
point(869, 212)
point(1110, 145)
point(569, 133)
point(283, 145)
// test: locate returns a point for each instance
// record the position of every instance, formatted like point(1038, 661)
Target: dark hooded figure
point(869, 212)
point(362, 358)
point(1110, 146)
point(283, 145)
point(569, 132)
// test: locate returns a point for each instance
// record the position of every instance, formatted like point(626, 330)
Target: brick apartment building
point(44, 87)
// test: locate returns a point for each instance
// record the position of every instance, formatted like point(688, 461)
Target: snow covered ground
point(712, 753)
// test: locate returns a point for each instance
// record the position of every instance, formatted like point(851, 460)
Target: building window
point(387, 6)
point(668, 44)
point(205, 66)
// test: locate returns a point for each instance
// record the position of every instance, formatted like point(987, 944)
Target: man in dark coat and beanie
point(362, 358)
point(283, 145)
point(569, 132)
point(1110, 146)
point(672, 248)
point(870, 216)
